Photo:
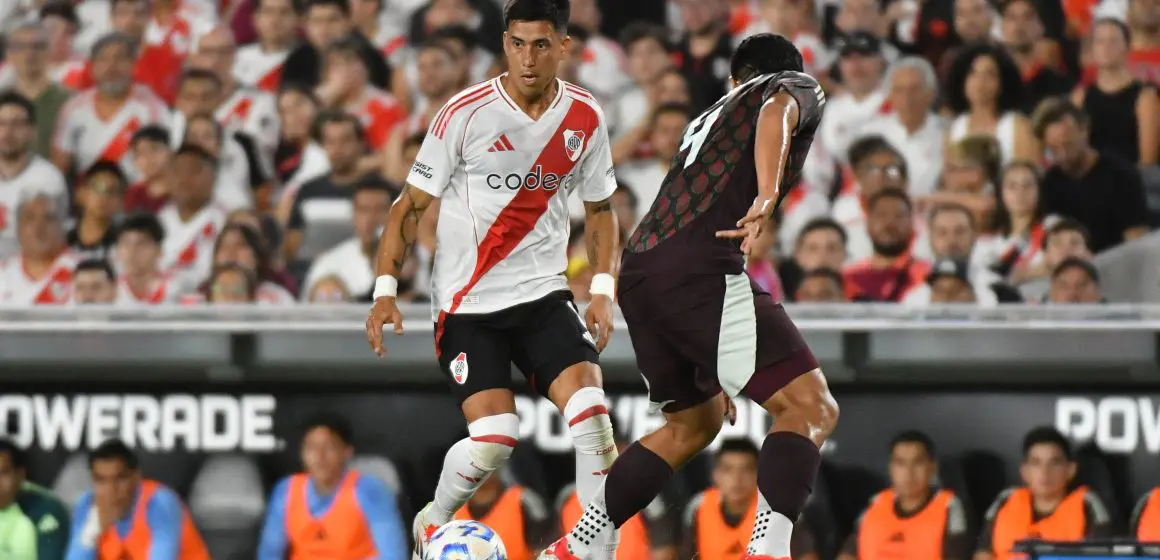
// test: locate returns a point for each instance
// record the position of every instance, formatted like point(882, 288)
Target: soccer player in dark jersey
point(699, 325)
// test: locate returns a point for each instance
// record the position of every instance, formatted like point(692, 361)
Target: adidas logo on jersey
point(502, 144)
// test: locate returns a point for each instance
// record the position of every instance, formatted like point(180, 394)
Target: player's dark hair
point(1053, 110)
point(1050, 436)
point(99, 265)
point(1067, 224)
point(16, 455)
point(145, 223)
point(62, 10)
point(738, 445)
point(1010, 81)
point(12, 98)
point(1075, 262)
point(331, 116)
point(105, 166)
point(150, 133)
point(113, 450)
point(952, 207)
point(334, 422)
point(198, 152)
point(916, 437)
point(555, 12)
point(191, 74)
point(869, 146)
point(823, 223)
point(764, 53)
point(889, 193)
point(827, 273)
point(459, 33)
point(342, 5)
point(643, 31)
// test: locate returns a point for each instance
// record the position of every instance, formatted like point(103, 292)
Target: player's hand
point(730, 409)
point(598, 317)
point(750, 226)
point(384, 311)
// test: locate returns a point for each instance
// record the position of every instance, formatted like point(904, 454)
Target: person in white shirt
point(912, 126)
point(137, 255)
point(93, 283)
point(876, 166)
point(259, 65)
point(952, 239)
point(647, 47)
point(516, 147)
point(22, 172)
point(352, 261)
point(191, 219)
point(985, 90)
point(42, 273)
point(604, 65)
point(239, 179)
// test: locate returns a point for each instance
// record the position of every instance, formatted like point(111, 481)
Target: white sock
point(771, 531)
point(470, 461)
point(591, 432)
point(592, 531)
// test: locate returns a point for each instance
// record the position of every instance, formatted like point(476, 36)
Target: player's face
point(191, 180)
point(1064, 244)
point(230, 287)
point(666, 134)
point(982, 85)
point(735, 474)
point(215, 52)
point(342, 145)
point(39, 229)
point(150, 158)
point(370, 213)
point(28, 51)
point(130, 18)
point(232, 248)
point(891, 226)
point(1020, 191)
point(1046, 471)
point(534, 50)
point(1066, 142)
point(646, 60)
point(972, 19)
point(1074, 286)
point(16, 132)
point(952, 235)
point(818, 289)
point(1109, 46)
point(329, 290)
point(276, 20)
point(113, 70)
point(949, 289)
point(114, 486)
point(297, 112)
point(92, 286)
point(10, 481)
point(820, 248)
point(198, 97)
point(137, 254)
point(324, 454)
point(438, 72)
point(911, 469)
point(102, 196)
point(325, 24)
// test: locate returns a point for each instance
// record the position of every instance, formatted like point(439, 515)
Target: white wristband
point(603, 284)
point(386, 286)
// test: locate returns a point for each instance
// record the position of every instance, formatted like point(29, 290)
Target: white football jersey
point(504, 181)
point(89, 138)
point(255, 113)
point(163, 290)
point(187, 252)
point(38, 177)
point(259, 69)
point(53, 288)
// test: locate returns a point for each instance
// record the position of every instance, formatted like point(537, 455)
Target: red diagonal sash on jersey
point(188, 256)
point(120, 143)
point(240, 111)
point(519, 217)
point(272, 80)
point(56, 287)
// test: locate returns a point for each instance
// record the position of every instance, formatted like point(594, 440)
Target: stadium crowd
point(334, 503)
point(228, 151)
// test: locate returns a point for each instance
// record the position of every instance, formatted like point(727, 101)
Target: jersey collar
point(516, 108)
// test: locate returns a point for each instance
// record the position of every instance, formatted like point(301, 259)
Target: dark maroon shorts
point(696, 335)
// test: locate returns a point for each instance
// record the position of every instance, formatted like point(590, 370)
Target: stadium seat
point(73, 480)
point(1094, 473)
point(175, 469)
point(227, 502)
point(951, 477)
point(984, 476)
point(380, 467)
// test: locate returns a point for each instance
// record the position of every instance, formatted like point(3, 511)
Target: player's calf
point(471, 460)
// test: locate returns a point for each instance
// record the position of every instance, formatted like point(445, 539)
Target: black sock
point(636, 479)
point(786, 472)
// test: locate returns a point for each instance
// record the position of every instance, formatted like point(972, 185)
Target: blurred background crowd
point(189, 151)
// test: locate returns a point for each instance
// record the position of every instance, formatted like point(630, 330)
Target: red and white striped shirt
point(80, 131)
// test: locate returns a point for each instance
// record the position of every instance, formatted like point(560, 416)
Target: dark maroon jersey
point(713, 180)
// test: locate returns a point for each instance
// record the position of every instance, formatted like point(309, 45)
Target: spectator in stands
point(138, 257)
point(1075, 280)
point(704, 50)
point(100, 198)
point(569, 68)
point(1145, 523)
point(1036, 57)
point(41, 274)
point(367, 16)
point(98, 123)
point(914, 518)
point(1064, 238)
point(985, 92)
point(231, 283)
point(326, 22)
point(517, 514)
point(65, 67)
point(239, 176)
point(891, 272)
point(603, 67)
point(950, 282)
point(1144, 22)
point(821, 285)
point(330, 289)
point(1019, 224)
point(1046, 506)
point(627, 207)
point(474, 62)
point(672, 87)
point(1124, 112)
point(953, 232)
point(483, 21)
point(35, 523)
point(94, 282)
point(191, 219)
point(361, 519)
point(439, 73)
point(352, 261)
point(970, 171)
point(23, 173)
point(27, 52)
point(342, 136)
point(974, 21)
point(241, 245)
point(912, 126)
point(876, 165)
point(1100, 190)
point(345, 86)
point(259, 65)
point(792, 19)
point(152, 155)
point(821, 244)
point(869, 16)
point(128, 516)
point(647, 48)
point(646, 174)
point(160, 53)
point(298, 158)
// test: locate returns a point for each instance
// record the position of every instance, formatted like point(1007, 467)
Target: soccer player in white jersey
point(43, 271)
point(502, 157)
point(22, 172)
point(260, 65)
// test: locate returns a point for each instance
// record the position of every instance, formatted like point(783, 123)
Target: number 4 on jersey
point(696, 133)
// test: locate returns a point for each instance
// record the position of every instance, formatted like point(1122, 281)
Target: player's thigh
point(548, 336)
point(781, 355)
point(475, 356)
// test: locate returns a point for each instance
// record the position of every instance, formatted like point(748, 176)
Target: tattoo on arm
point(593, 248)
point(409, 227)
point(598, 207)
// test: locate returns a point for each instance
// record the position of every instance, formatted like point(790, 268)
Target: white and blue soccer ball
point(465, 540)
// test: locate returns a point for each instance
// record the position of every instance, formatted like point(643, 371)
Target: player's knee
point(493, 438)
point(807, 400)
point(588, 422)
point(694, 436)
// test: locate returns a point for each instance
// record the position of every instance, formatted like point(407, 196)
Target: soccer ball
point(465, 540)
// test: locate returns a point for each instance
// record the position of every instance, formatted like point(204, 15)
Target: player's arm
point(956, 537)
point(165, 516)
point(274, 541)
point(602, 233)
point(382, 513)
point(85, 530)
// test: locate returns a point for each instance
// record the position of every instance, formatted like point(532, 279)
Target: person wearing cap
point(1075, 281)
point(954, 234)
point(949, 281)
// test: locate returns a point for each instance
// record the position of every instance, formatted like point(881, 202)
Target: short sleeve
point(810, 97)
point(439, 155)
point(597, 179)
